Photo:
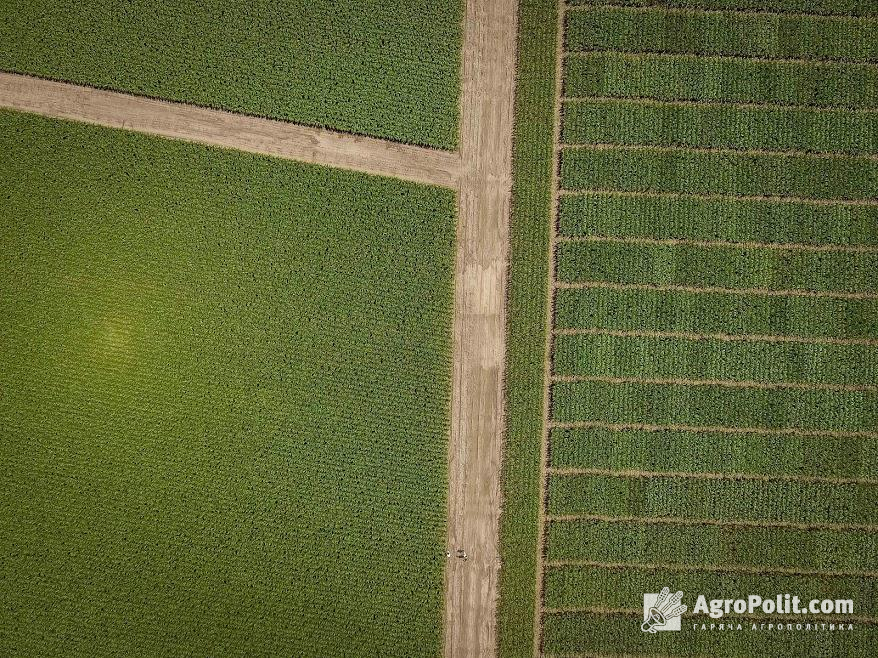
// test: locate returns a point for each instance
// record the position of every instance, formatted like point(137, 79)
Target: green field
point(388, 68)
point(224, 401)
point(713, 413)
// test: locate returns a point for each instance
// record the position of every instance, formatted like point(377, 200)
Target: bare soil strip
point(766, 292)
point(780, 431)
point(695, 11)
point(722, 383)
point(479, 327)
point(717, 150)
point(772, 198)
point(736, 523)
point(744, 338)
point(742, 105)
point(641, 54)
point(218, 128)
point(723, 244)
point(707, 475)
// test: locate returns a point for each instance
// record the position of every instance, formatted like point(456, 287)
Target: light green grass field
point(225, 399)
point(388, 68)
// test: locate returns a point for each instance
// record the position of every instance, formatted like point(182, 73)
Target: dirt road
point(217, 128)
point(479, 327)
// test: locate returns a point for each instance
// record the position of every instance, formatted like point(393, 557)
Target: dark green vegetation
point(225, 399)
point(526, 335)
point(692, 78)
point(756, 453)
point(715, 442)
point(388, 68)
point(606, 214)
point(715, 355)
point(659, 123)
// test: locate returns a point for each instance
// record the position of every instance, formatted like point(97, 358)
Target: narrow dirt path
point(479, 327)
point(218, 128)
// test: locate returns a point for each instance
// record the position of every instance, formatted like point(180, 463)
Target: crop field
point(225, 400)
point(707, 295)
point(387, 68)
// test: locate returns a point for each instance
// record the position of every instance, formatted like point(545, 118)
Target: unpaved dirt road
point(217, 128)
point(479, 327)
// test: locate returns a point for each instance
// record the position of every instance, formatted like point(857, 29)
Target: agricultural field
point(693, 341)
point(225, 400)
point(387, 68)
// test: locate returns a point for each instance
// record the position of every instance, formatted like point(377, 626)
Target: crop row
point(730, 453)
point(717, 266)
point(688, 77)
point(735, 220)
point(650, 170)
point(735, 547)
point(751, 35)
point(721, 500)
point(598, 120)
point(635, 356)
point(716, 313)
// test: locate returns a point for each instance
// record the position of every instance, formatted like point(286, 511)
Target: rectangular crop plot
point(715, 406)
point(720, 266)
point(728, 453)
point(738, 361)
point(659, 123)
point(769, 36)
point(225, 400)
point(695, 172)
point(717, 313)
point(826, 7)
point(388, 68)
point(688, 77)
point(713, 546)
point(719, 499)
point(732, 220)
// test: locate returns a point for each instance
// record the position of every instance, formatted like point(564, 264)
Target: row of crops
point(713, 360)
point(225, 400)
point(387, 68)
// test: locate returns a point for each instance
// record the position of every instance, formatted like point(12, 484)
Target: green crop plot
point(686, 451)
point(706, 545)
point(722, 266)
point(719, 126)
point(714, 395)
point(225, 399)
point(389, 68)
point(691, 78)
point(664, 357)
point(765, 174)
point(732, 220)
point(824, 7)
point(734, 35)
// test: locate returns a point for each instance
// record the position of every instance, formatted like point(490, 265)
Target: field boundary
point(191, 123)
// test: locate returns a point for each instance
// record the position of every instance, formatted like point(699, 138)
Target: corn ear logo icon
point(663, 610)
